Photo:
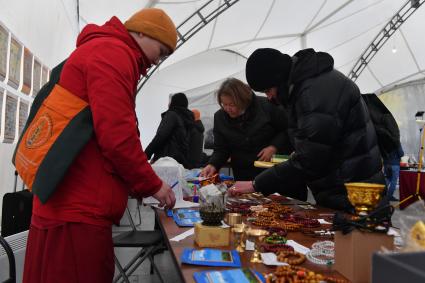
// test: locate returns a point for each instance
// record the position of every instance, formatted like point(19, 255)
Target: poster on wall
point(1, 106)
point(26, 87)
point(36, 77)
point(15, 63)
point(4, 38)
point(10, 118)
point(44, 76)
point(23, 114)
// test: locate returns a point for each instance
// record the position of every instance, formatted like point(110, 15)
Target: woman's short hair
point(239, 91)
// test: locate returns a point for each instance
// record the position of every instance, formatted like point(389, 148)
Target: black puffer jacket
point(242, 138)
point(196, 142)
point(172, 138)
point(331, 131)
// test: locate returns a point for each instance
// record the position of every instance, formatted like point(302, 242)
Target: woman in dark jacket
point(246, 128)
point(329, 126)
point(172, 138)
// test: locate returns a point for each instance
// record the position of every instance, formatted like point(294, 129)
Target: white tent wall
point(343, 28)
point(48, 28)
point(403, 102)
point(199, 71)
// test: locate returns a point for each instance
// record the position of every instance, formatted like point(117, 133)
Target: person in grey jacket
point(329, 126)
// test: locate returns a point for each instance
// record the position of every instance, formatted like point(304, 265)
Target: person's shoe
point(394, 199)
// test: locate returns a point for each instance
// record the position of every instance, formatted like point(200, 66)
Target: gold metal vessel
point(364, 196)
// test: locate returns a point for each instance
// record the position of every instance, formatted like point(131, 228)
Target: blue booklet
point(186, 217)
point(211, 257)
point(244, 275)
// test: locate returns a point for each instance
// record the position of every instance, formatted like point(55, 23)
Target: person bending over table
point(329, 126)
point(247, 128)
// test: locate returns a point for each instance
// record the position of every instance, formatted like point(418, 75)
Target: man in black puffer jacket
point(329, 126)
point(172, 136)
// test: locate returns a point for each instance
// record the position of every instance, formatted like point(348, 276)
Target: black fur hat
point(266, 68)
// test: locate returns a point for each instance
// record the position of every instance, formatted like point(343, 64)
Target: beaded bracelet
point(290, 226)
point(285, 256)
point(258, 208)
point(265, 222)
point(299, 274)
point(275, 239)
point(324, 247)
point(275, 248)
point(277, 230)
point(266, 214)
point(315, 256)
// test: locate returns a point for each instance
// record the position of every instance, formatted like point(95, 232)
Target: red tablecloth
point(407, 183)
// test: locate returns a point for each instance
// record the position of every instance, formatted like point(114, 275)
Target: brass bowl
point(256, 232)
point(364, 196)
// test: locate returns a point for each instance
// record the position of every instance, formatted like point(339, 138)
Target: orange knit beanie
point(156, 24)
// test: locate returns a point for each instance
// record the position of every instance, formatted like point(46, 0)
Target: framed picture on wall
point(4, 41)
point(10, 118)
point(36, 77)
point(44, 76)
point(15, 58)
point(1, 106)
point(23, 114)
point(26, 87)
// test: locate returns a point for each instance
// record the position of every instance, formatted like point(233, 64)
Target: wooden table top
point(170, 230)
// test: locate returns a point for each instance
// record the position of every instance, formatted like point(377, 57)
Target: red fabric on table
point(68, 252)
point(407, 182)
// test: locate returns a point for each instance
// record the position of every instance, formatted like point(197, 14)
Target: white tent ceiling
point(342, 28)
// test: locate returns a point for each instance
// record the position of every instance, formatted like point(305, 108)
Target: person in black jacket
point(329, 126)
point(246, 128)
point(196, 141)
point(172, 138)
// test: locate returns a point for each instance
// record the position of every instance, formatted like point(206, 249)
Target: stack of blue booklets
point(211, 257)
point(186, 217)
point(240, 275)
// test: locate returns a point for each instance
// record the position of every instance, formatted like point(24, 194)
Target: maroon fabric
point(407, 182)
point(68, 252)
point(104, 70)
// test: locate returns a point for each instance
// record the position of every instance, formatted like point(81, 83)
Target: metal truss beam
point(389, 29)
point(192, 25)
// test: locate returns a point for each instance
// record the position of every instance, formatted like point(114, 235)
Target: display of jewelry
point(291, 257)
point(265, 222)
point(278, 208)
point(290, 273)
point(304, 221)
point(322, 253)
point(275, 248)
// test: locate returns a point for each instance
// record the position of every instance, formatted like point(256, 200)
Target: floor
point(164, 261)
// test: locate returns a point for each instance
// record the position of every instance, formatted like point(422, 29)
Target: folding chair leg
point(153, 265)
point(121, 270)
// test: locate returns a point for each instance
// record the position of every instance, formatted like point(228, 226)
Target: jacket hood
point(310, 63)
point(112, 29)
point(184, 113)
point(306, 64)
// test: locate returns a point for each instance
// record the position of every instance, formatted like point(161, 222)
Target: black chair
point(150, 244)
point(11, 257)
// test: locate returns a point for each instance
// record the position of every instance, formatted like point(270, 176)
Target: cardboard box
point(211, 236)
point(399, 267)
point(353, 253)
